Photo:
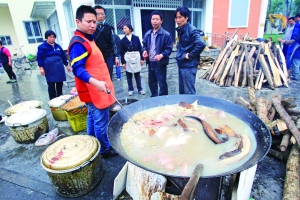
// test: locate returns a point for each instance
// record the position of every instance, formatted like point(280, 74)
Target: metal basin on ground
point(260, 130)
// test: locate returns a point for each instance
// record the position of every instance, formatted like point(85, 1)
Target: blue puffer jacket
point(163, 45)
point(295, 48)
point(190, 41)
point(52, 59)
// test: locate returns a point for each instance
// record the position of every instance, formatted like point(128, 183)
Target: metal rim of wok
point(260, 130)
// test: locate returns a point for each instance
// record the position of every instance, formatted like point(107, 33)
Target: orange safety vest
point(95, 65)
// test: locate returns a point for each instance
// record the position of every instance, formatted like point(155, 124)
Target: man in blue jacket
point(189, 47)
point(157, 47)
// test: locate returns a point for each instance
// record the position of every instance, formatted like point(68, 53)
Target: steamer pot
point(23, 106)
point(27, 126)
point(73, 165)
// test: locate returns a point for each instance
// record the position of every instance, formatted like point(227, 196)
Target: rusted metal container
point(27, 126)
point(73, 164)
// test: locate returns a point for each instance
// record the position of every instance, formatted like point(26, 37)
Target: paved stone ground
point(22, 177)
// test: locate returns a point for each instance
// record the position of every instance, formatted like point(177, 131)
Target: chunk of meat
point(183, 125)
point(186, 105)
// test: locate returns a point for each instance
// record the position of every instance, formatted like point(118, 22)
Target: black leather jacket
point(163, 45)
point(190, 41)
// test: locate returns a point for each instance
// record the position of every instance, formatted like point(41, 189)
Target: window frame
point(6, 44)
point(69, 17)
point(32, 30)
point(230, 15)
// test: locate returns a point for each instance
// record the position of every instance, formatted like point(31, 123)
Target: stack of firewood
point(284, 124)
point(205, 62)
point(250, 63)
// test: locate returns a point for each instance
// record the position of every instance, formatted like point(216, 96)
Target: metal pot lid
point(70, 152)
point(23, 106)
point(58, 101)
point(25, 117)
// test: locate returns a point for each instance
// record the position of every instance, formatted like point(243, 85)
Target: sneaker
point(8, 81)
point(109, 153)
point(13, 81)
point(2, 119)
point(130, 93)
point(142, 92)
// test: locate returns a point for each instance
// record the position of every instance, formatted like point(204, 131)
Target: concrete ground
point(22, 177)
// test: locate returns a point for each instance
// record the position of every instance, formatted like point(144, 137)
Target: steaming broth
point(173, 151)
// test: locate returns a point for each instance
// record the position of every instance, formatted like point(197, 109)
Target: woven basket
point(75, 106)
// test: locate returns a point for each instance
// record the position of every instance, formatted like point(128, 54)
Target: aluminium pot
point(73, 165)
point(28, 125)
point(260, 130)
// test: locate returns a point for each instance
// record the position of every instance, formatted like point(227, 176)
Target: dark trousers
point(9, 71)
point(187, 80)
point(137, 77)
point(110, 62)
point(54, 89)
point(157, 76)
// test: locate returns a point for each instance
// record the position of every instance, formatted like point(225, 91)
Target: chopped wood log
point(265, 68)
point(220, 57)
point(277, 81)
point(231, 185)
point(278, 155)
point(293, 140)
point(190, 188)
point(284, 78)
point(218, 74)
point(260, 82)
point(250, 75)
point(229, 63)
point(289, 102)
point(257, 78)
point(251, 96)
point(242, 102)
point(244, 80)
point(281, 125)
point(291, 188)
point(285, 142)
point(261, 109)
point(282, 61)
point(237, 74)
point(286, 118)
point(271, 113)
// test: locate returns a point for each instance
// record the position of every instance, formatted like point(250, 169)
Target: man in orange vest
point(92, 77)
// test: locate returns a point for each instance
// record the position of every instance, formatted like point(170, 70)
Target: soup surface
point(167, 141)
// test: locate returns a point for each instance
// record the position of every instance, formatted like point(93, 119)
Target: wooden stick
point(286, 118)
point(237, 75)
point(282, 61)
point(277, 81)
point(291, 182)
point(229, 63)
point(277, 154)
point(285, 141)
point(242, 102)
point(265, 68)
point(250, 75)
point(285, 83)
point(190, 188)
point(244, 80)
point(257, 78)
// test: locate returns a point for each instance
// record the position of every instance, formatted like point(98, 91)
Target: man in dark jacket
point(104, 38)
point(157, 47)
point(189, 48)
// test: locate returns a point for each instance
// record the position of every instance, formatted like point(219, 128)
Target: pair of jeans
point(9, 71)
point(97, 122)
point(110, 62)
point(295, 68)
point(187, 80)
point(54, 89)
point(138, 81)
point(118, 71)
point(157, 76)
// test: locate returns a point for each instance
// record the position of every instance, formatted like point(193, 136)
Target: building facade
point(23, 23)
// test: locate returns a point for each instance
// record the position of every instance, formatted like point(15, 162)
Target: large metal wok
point(262, 134)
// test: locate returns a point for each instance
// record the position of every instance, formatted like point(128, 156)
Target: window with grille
point(33, 32)
point(5, 40)
point(69, 18)
point(196, 19)
point(113, 2)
